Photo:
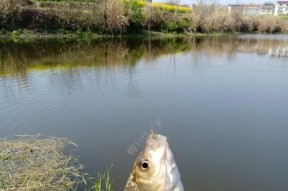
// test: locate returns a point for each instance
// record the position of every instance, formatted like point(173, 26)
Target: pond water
point(221, 101)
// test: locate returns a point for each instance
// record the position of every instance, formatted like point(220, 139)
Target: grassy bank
point(122, 17)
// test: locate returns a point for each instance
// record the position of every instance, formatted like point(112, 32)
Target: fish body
point(155, 168)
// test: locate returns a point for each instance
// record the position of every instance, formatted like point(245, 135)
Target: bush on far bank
point(130, 16)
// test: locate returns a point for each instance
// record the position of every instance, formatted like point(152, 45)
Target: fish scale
point(131, 185)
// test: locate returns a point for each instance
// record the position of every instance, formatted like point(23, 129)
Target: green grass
point(104, 181)
point(2, 185)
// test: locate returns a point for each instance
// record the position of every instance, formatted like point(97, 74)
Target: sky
point(221, 1)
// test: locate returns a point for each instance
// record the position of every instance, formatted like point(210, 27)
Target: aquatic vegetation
point(104, 181)
point(33, 163)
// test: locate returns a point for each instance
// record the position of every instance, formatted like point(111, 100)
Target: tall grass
point(209, 18)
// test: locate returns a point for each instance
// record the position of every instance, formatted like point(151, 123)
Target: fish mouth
point(156, 137)
point(156, 141)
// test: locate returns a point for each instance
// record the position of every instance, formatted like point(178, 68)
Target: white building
point(252, 9)
point(258, 9)
point(281, 8)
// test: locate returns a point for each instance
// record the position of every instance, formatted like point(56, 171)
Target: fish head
point(155, 168)
point(150, 166)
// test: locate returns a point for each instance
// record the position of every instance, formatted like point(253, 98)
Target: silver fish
point(155, 168)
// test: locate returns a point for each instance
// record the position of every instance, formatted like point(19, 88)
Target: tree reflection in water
point(63, 60)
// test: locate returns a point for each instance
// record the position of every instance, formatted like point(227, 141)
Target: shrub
point(117, 16)
point(134, 11)
point(175, 24)
point(114, 15)
point(269, 24)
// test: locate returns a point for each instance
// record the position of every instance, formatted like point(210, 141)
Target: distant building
point(235, 8)
point(252, 9)
point(281, 8)
point(267, 9)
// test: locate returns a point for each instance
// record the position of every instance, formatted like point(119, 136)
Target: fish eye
point(144, 164)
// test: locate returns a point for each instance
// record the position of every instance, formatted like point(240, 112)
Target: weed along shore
point(94, 18)
point(33, 162)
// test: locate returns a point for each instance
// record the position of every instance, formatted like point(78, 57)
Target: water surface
point(221, 101)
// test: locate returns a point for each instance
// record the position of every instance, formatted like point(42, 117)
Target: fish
point(155, 168)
